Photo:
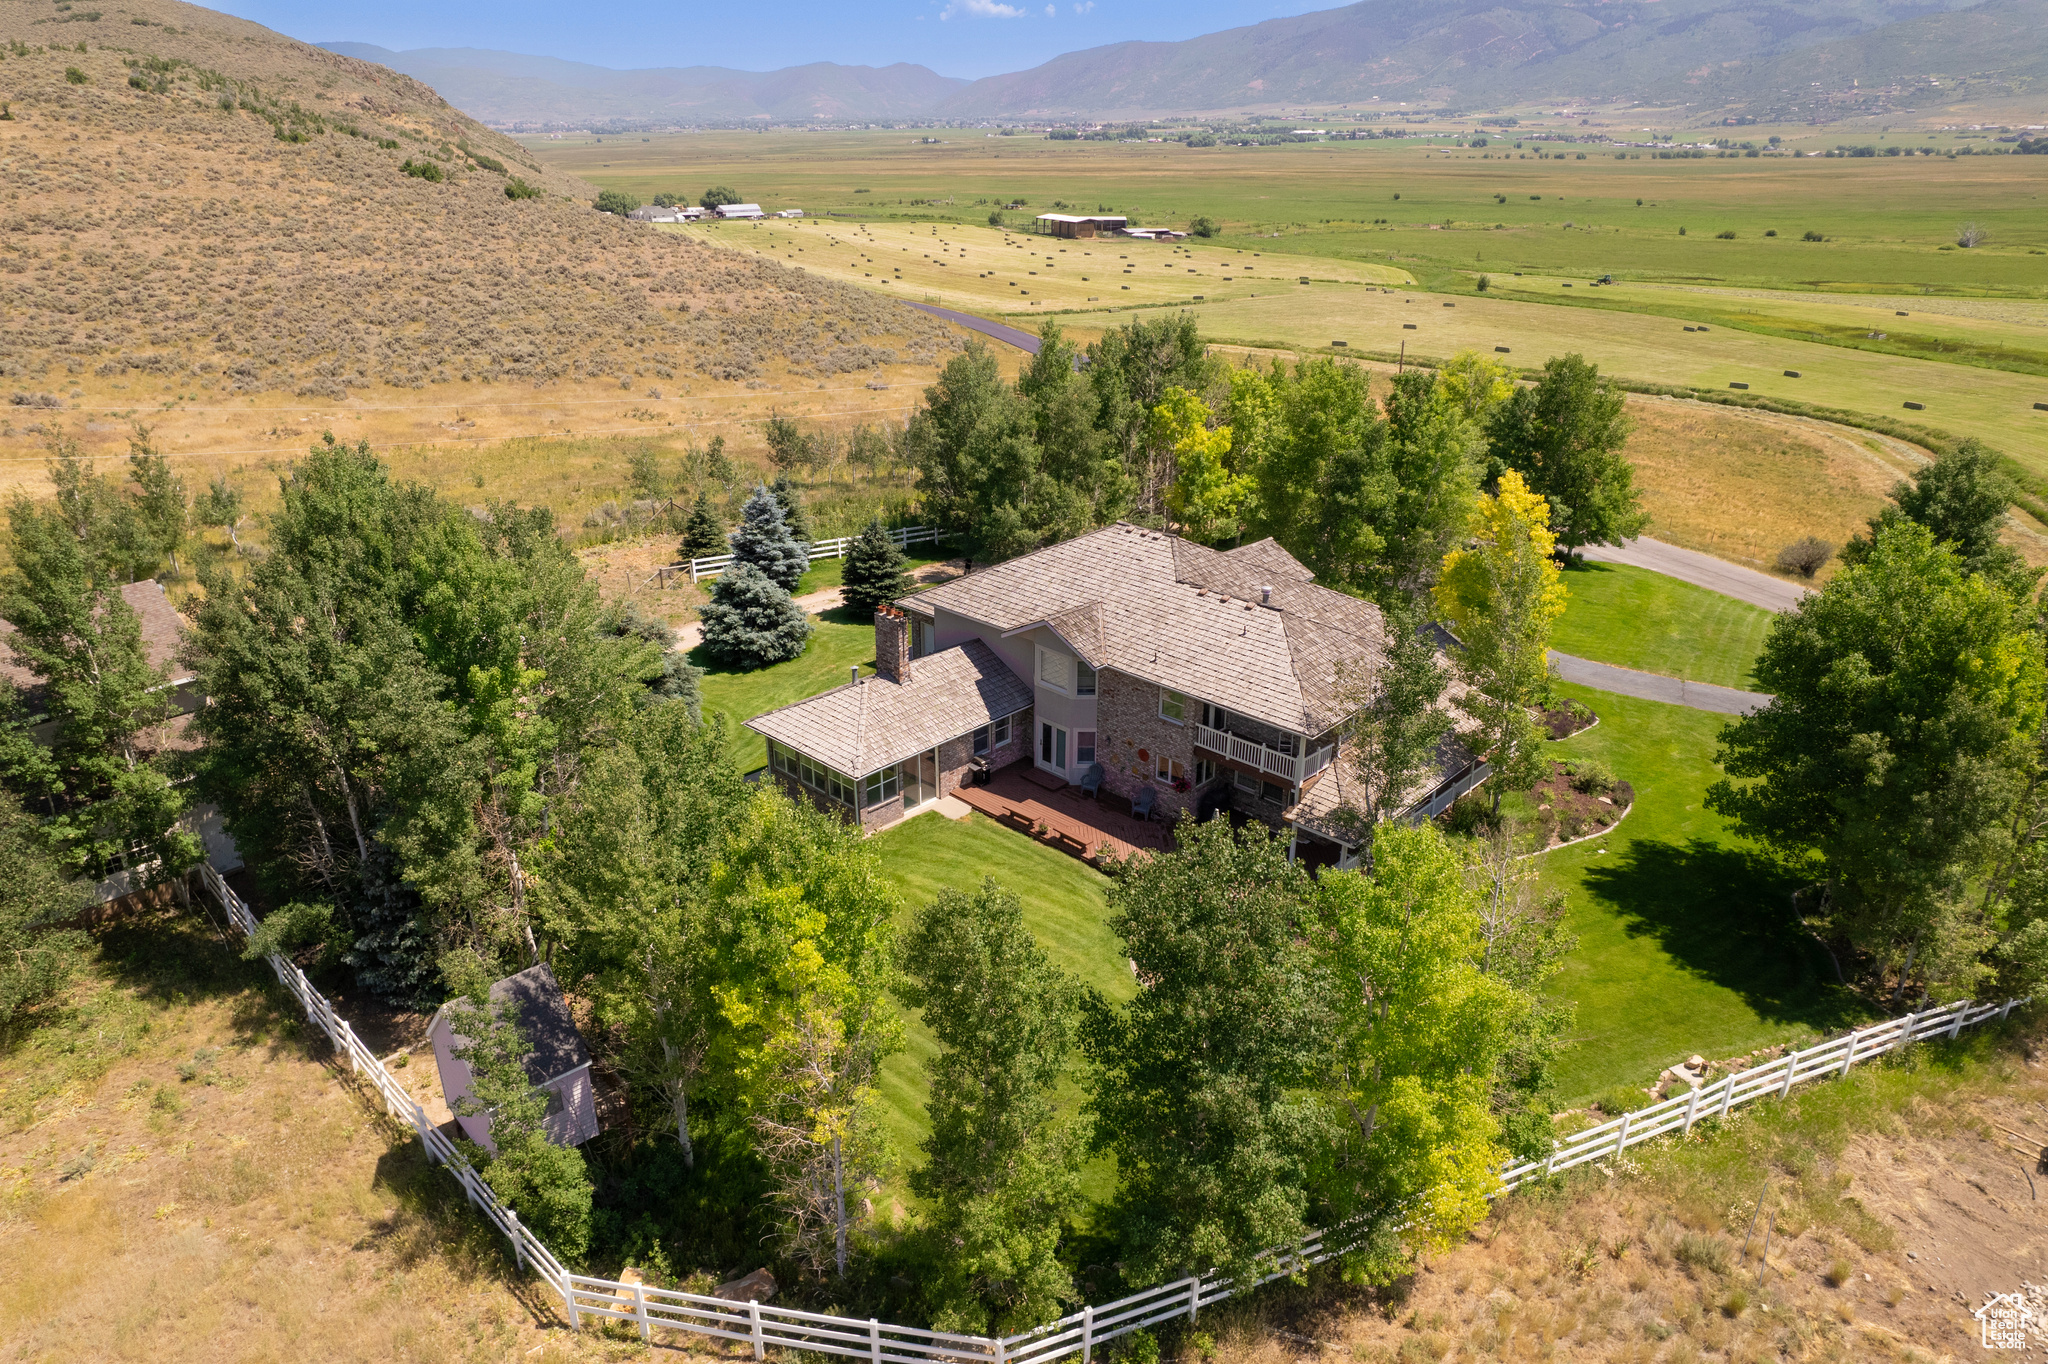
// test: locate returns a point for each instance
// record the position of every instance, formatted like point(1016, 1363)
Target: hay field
point(988, 270)
point(1885, 218)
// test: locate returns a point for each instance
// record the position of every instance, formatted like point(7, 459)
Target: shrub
point(489, 163)
point(1622, 794)
point(1485, 283)
point(1770, 232)
point(1840, 1271)
point(751, 622)
point(1805, 556)
point(421, 170)
point(1621, 1099)
point(995, 218)
point(763, 540)
point(1812, 236)
point(1470, 813)
point(1591, 776)
point(74, 75)
point(1205, 227)
point(516, 188)
point(1702, 1251)
point(616, 201)
point(1736, 1303)
point(1724, 235)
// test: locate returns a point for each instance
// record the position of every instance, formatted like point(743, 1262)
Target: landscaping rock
point(758, 1286)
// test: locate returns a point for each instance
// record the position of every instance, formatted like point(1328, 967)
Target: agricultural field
point(1716, 284)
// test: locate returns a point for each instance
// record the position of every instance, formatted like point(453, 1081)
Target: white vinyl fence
point(712, 565)
point(1078, 1333)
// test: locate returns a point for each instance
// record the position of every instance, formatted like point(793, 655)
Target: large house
point(1210, 678)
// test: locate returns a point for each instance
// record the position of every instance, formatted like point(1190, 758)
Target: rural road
point(1674, 691)
point(1014, 336)
point(1703, 570)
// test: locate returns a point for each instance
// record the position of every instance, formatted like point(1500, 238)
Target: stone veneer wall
point(1128, 721)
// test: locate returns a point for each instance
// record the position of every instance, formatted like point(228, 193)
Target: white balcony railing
point(1292, 768)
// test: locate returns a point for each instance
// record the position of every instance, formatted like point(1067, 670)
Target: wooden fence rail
point(1078, 1333)
point(714, 564)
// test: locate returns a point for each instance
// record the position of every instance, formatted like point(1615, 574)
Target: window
point(1001, 734)
point(1084, 746)
point(554, 1102)
point(981, 741)
point(817, 776)
point(882, 785)
point(1215, 717)
point(1205, 771)
point(1084, 679)
point(1246, 783)
point(1173, 706)
point(1052, 669)
point(1272, 794)
point(1169, 768)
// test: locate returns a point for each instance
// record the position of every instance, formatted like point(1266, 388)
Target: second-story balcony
point(1291, 767)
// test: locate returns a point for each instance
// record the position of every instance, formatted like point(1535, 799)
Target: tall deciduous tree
point(803, 939)
point(1322, 476)
point(975, 448)
point(37, 955)
point(1130, 369)
point(1399, 723)
point(1433, 479)
point(1564, 436)
point(106, 787)
point(1907, 698)
point(764, 540)
point(1001, 1174)
point(1962, 497)
point(1202, 1083)
point(874, 573)
point(1206, 495)
point(1419, 1033)
point(1501, 596)
point(1079, 470)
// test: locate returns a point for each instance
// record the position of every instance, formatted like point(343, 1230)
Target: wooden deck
point(1018, 796)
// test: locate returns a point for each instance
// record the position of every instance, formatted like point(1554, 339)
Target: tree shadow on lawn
point(1726, 914)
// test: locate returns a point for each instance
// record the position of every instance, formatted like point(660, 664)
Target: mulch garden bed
point(1573, 803)
point(1566, 719)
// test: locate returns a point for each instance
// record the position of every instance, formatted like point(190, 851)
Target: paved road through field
point(1674, 691)
point(1703, 570)
point(1014, 336)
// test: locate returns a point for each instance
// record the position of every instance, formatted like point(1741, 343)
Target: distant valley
point(1765, 59)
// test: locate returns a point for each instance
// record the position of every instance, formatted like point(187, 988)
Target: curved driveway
point(1674, 691)
point(1009, 335)
point(1703, 570)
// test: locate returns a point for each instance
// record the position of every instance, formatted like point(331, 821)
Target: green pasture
point(1638, 619)
point(1685, 943)
point(1995, 405)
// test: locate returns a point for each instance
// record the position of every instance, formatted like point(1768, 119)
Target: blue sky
point(954, 37)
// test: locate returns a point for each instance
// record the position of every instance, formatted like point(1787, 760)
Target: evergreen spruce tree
point(791, 499)
point(765, 540)
point(874, 572)
point(703, 535)
point(751, 621)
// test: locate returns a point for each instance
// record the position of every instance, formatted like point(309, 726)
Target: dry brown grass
point(172, 262)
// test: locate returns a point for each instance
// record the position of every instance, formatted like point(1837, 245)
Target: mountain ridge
point(1751, 56)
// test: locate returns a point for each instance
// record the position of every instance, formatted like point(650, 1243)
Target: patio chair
point(1091, 781)
point(1141, 808)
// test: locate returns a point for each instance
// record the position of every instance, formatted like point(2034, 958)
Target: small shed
point(1082, 224)
point(559, 1062)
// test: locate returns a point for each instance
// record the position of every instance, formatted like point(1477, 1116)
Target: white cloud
point(981, 9)
point(1051, 12)
point(1084, 7)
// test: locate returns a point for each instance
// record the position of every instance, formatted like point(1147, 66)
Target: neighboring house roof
point(865, 726)
point(543, 1014)
point(162, 631)
point(1194, 619)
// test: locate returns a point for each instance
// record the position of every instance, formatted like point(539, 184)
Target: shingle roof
point(1187, 617)
point(862, 727)
point(543, 1016)
point(162, 630)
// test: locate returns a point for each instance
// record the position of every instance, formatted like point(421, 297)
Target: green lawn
point(1064, 904)
point(1683, 941)
point(739, 695)
point(1639, 619)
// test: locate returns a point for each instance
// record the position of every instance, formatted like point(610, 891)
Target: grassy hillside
point(209, 226)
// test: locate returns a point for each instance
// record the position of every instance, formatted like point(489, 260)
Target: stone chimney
point(892, 644)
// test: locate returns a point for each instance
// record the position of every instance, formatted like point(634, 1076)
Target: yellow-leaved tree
point(1501, 596)
point(1208, 496)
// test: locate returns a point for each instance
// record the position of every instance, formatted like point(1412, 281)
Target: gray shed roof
point(1169, 611)
point(543, 1015)
point(862, 727)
